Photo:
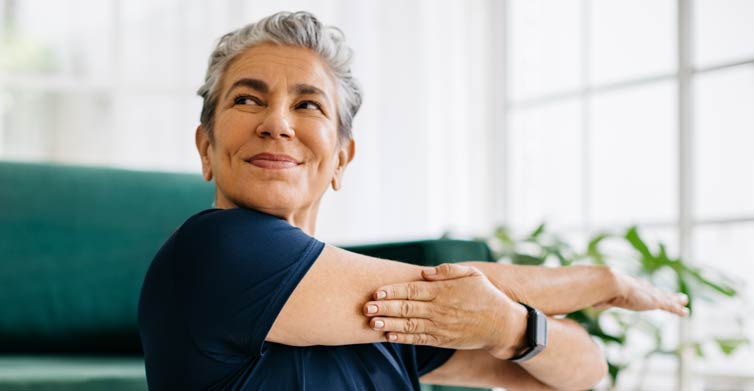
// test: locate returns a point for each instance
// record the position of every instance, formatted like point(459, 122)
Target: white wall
point(115, 82)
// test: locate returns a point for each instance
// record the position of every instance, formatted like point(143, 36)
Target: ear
point(345, 155)
point(203, 145)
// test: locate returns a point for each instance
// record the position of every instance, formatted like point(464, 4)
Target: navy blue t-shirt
point(211, 296)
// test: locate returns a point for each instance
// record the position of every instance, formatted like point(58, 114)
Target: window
point(596, 137)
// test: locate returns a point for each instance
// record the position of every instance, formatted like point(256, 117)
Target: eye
point(309, 105)
point(246, 100)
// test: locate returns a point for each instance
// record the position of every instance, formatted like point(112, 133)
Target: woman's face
point(275, 146)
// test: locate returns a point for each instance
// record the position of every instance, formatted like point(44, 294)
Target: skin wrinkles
point(271, 102)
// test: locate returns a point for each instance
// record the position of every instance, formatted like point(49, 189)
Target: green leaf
point(683, 286)
point(538, 231)
point(563, 260)
point(649, 263)
point(593, 251)
point(729, 345)
point(504, 236)
point(524, 259)
point(614, 370)
point(632, 235)
point(698, 350)
point(663, 259)
point(726, 290)
point(592, 326)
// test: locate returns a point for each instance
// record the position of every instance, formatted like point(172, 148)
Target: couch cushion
point(80, 373)
point(75, 243)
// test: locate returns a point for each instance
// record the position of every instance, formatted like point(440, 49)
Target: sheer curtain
point(113, 83)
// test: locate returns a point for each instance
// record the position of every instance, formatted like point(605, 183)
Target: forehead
point(278, 65)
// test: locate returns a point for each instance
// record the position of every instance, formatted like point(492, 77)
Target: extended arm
point(561, 290)
point(556, 290)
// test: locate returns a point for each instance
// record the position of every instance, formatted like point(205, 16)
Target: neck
point(304, 218)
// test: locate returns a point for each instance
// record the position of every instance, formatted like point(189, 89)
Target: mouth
point(273, 161)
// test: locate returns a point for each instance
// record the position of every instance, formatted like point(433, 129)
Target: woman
point(244, 297)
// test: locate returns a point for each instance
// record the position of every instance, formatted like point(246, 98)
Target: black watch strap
point(536, 335)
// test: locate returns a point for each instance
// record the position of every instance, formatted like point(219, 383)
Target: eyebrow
point(254, 84)
point(261, 86)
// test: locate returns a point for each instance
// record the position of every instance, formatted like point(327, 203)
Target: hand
point(457, 308)
point(639, 295)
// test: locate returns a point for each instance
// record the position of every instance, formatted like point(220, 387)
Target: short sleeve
point(429, 358)
point(237, 268)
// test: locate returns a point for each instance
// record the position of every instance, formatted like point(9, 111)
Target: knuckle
point(420, 339)
point(445, 268)
point(474, 271)
point(405, 309)
point(410, 326)
point(413, 291)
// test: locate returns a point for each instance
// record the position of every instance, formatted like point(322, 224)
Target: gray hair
point(286, 28)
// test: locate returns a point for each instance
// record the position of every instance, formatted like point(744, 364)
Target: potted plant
point(616, 329)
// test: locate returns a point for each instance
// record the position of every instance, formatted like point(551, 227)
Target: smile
point(273, 161)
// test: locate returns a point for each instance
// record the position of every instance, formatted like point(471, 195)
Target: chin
point(270, 201)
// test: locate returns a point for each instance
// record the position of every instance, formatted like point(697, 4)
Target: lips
point(273, 161)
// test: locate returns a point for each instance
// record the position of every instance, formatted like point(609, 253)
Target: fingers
point(449, 271)
point(405, 326)
point(413, 339)
point(398, 309)
point(676, 304)
point(418, 290)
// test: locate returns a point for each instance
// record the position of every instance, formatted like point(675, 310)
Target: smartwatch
point(536, 334)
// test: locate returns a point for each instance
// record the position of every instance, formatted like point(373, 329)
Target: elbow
point(591, 367)
point(597, 375)
point(590, 375)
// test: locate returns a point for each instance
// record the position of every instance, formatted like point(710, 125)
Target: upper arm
point(477, 368)
point(325, 308)
point(245, 277)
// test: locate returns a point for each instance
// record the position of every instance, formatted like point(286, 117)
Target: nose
point(275, 125)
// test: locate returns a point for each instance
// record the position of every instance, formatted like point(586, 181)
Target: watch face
point(541, 331)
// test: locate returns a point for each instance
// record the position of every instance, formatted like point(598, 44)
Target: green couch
point(75, 243)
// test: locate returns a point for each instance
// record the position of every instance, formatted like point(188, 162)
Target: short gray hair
point(286, 28)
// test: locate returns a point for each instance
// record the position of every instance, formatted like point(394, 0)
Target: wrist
point(513, 339)
point(617, 286)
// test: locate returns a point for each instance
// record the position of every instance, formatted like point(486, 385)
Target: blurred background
point(585, 114)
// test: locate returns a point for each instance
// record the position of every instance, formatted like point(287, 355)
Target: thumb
point(449, 271)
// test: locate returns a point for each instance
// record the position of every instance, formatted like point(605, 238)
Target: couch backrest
point(75, 243)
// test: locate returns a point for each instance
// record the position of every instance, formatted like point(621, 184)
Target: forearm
point(571, 360)
point(477, 368)
point(552, 290)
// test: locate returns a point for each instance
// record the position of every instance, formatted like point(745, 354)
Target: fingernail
point(378, 324)
point(391, 337)
point(430, 272)
point(371, 309)
point(381, 294)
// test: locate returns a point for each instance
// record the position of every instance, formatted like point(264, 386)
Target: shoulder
point(244, 236)
point(229, 225)
point(220, 219)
